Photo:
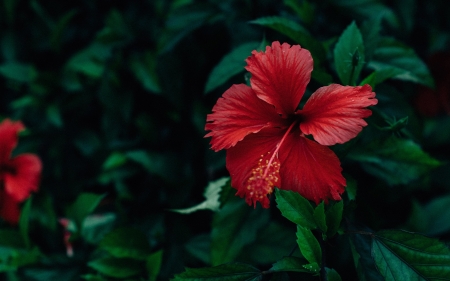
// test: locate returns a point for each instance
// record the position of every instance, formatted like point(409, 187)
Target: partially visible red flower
point(68, 226)
point(19, 176)
point(431, 102)
point(265, 134)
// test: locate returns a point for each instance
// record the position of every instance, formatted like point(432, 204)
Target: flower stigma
point(265, 175)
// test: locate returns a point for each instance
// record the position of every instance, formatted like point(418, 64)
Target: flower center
point(265, 175)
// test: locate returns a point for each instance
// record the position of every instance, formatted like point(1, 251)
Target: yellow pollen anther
point(263, 177)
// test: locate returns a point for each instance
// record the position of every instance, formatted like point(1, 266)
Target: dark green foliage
point(231, 271)
point(114, 95)
point(404, 255)
point(295, 208)
point(349, 55)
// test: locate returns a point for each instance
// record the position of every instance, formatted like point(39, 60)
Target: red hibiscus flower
point(265, 134)
point(19, 176)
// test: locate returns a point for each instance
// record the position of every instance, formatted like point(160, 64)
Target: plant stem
point(355, 61)
point(350, 82)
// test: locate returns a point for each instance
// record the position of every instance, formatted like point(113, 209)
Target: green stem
point(355, 62)
point(350, 82)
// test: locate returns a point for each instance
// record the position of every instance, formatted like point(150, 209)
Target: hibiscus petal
point(8, 138)
point(311, 169)
point(333, 114)
point(237, 113)
point(25, 178)
point(280, 75)
point(9, 208)
point(248, 159)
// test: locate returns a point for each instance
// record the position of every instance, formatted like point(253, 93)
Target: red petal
point(9, 208)
point(333, 114)
point(280, 75)
point(8, 138)
point(246, 157)
point(25, 180)
point(311, 169)
point(237, 113)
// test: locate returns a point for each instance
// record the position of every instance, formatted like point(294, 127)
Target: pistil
point(264, 176)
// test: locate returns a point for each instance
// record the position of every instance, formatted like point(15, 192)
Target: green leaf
point(364, 9)
point(305, 10)
point(234, 226)
point(231, 64)
point(319, 217)
point(83, 206)
point(438, 216)
point(263, 250)
point(114, 160)
point(58, 30)
point(14, 252)
point(23, 258)
point(92, 277)
point(227, 192)
point(118, 268)
point(212, 195)
point(351, 188)
point(11, 238)
point(433, 218)
point(164, 165)
point(433, 134)
point(283, 25)
point(115, 30)
point(144, 68)
point(19, 72)
point(295, 208)
point(334, 217)
point(224, 272)
point(407, 9)
point(397, 161)
point(290, 264)
point(54, 115)
point(349, 55)
point(95, 227)
point(313, 268)
point(89, 61)
point(297, 33)
point(88, 142)
point(401, 255)
point(332, 275)
point(320, 75)
point(379, 76)
point(392, 54)
point(200, 247)
point(49, 272)
point(153, 265)
point(364, 263)
point(370, 31)
point(126, 243)
point(309, 246)
point(24, 222)
point(182, 21)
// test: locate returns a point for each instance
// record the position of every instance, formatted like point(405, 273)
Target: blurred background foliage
point(115, 95)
